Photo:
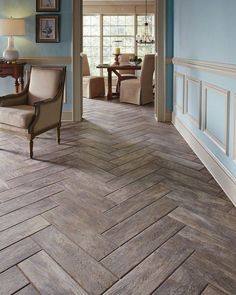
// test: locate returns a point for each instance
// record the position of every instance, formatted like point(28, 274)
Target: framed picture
point(47, 28)
point(47, 5)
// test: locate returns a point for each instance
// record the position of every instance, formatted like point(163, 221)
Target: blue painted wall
point(204, 30)
point(26, 44)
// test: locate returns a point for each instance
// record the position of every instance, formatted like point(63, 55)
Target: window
point(98, 43)
point(91, 41)
point(115, 28)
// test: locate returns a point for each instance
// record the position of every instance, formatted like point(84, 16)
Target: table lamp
point(11, 27)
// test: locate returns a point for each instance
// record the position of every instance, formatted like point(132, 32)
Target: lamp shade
point(12, 27)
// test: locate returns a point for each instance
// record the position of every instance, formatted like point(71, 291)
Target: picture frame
point(48, 28)
point(47, 5)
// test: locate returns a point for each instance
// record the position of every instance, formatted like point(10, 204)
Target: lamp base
point(10, 54)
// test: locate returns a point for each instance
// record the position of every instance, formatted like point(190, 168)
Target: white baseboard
point(223, 177)
point(67, 116)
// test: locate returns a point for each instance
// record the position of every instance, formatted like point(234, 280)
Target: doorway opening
point(96, 31)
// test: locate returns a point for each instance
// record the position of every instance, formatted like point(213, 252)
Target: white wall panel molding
point(224, 178)
point(52, 60)
point(190, 99)
point(179, 78)
point(234, 139)
point(225, 95)
point(217, 68)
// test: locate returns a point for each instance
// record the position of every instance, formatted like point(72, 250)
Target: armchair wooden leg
point(31, 148)
point(58, 134)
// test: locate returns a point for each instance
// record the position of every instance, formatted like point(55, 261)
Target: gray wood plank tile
point(70, 225)
point(25, 213)
point(21, 231)
point(48, 277)
point(28, 290)
point(16, 253)
point(90, 274)
point(153, 270)
point(137, 202)
point(130, 227)
point(11, 281)
point(122, 260)
point(182, 282)
point(135, 187)
point(211, 290)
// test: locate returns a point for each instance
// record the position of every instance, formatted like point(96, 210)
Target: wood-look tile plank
point(211, 290)
point(21, 231)
point(30, 187)
point(194, 201)
point(137, 202)
point(189, 181)
point(132, 165)
point(25, 213)
point(132, 176)
point(30, 198)
point(210, 272)
point(130, 227)
point(89, 273)
point(48, 277)
point(11, 281)
point(28, 290)
point(16, 253)
point(122, 260)
point(70, 225)
point(184, 162)
point(182, 282)
point(90, 217)
point(149, 274)
point(138, 186)
point(205, 225)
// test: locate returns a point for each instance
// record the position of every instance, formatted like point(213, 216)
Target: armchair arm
point(14, 99)
point(47, 114)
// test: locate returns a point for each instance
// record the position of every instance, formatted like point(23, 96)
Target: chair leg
point(58, 134)
point(31, 148)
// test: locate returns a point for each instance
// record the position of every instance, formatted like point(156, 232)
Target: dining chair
point(38, 107)
point(93, 86)
point(125, 74)
point(140, 91)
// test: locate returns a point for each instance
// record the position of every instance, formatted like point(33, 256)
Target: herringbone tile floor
point(122, 206)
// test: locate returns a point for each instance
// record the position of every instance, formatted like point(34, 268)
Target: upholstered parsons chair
point(93, 86)
point(140, 91)
point(38, 108)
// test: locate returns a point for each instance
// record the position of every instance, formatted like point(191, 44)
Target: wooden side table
point(15, 70)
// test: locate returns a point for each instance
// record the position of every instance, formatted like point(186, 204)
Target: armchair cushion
point(44, 84)
point(19, 116)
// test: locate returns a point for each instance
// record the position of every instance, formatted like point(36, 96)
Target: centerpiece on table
point(134, 60)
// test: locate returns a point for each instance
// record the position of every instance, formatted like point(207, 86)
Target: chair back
point(85, 65)
point(124, 60)
point(146, 78)
point(46, 82)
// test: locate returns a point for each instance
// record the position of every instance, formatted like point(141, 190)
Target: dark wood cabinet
point(15, 70)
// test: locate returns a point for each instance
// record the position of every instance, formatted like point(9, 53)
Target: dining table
point(114, 68)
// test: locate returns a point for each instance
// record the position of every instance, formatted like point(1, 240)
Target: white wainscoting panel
point(179, 87)
point(216, 115)
point(193, 100)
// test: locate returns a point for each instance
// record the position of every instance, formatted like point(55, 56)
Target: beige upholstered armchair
point(139, 91)
point(93, 86)
point(38, 108)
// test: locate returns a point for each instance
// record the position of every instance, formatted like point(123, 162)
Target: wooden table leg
point(109, 93)
point(21, 83)
point(17, 85)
